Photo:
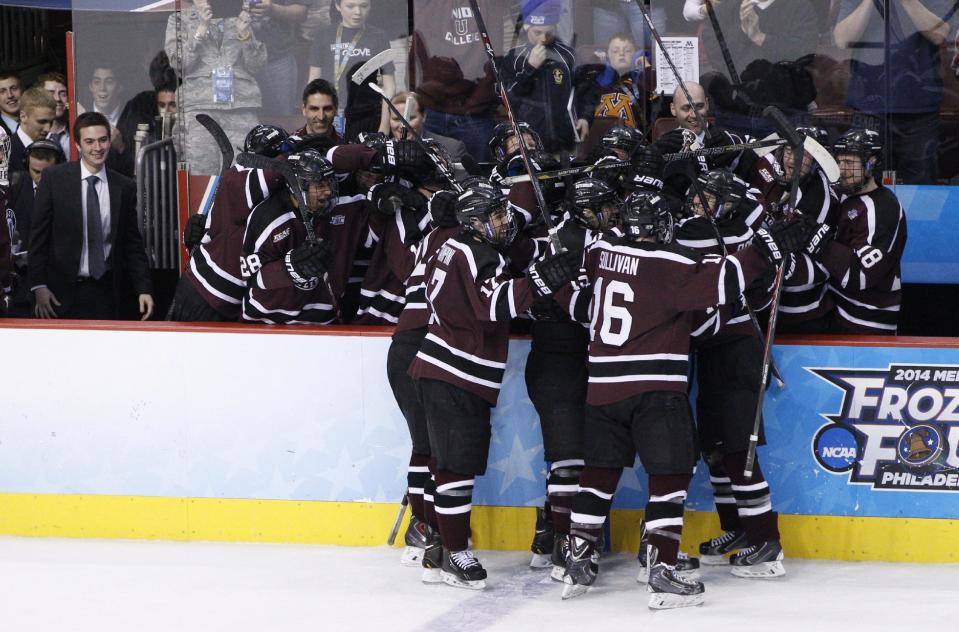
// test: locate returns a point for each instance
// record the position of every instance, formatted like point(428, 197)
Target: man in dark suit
point(79, 260)
point(40, 154)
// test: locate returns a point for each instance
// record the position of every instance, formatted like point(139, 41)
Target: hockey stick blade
point(221, 139)
point(372, 65)
point(785, 129)
point(774, 143)
point(822, 156)
point(256, 161)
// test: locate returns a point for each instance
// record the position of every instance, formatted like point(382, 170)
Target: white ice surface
point(80, 585)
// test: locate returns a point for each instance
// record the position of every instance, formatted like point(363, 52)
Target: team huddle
point(645, 268)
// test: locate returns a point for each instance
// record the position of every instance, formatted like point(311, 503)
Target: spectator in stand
point(912, 80)
point(274, 24)
point(144, 109)
point(450, 72)
point(620, 89)
point(105, 94)
point(320, 104)
point(221, 55)
point(338, 52)
point(40, 154)
point(10, 91)
point(770, 45)
point(417, 119)
point(613, 16)
point(539, 78)
point(56, 86)
point(37, 112)
point(317, 18)
point(84, 240)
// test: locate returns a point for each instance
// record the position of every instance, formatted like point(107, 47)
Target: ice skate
point(416, 538)
point(542, 546)
point(669, 589)
point(686, 566)
point(432, 559)
point(713, 552)
point(560, 557)
point(763, 561)
point(463, 570)
point(581, 568)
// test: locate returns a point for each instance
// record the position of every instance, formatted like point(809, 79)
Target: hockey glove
point(402, 158)
point(671, 142)
point(548, 275)
point(389, 197)
point(818, 239)
point(781, 238)
point(194, 230)
point(308, 262)
point(443, 209)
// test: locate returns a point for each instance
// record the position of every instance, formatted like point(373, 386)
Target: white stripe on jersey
point(641, 357)
point(462, 354)
point(452, 243)
point(638, 252)
point(279, 221)
point(220, 272)
point(383, 293)
point(865, 323)
point(457, 372)
point(209, 288)
point(891, 308)
point(637, 378)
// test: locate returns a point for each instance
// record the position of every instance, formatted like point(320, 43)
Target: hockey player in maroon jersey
point(459, 367)
point(290, 279)
point(211, 288)
point(556, 377)
point(805, 303)
point(645, 291)
point(423, 528)
point(401, 220)
point(728, 357)
point(863, 259)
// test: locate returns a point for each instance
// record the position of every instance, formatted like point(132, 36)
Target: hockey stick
point(440, 165)
point(373, 64)
point(708, 151)
point(399, 520)
point(782, 125)
point(812, 147)
point(727, 57)
point(521, 142)
point(669, 60)
point(256, 161)
point(221, 139)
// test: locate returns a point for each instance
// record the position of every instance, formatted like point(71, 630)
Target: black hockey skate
point(463, 570)
point(686, 566)
point(559, 557)
point(763, 561)
point(542, 546)
point(581, 568)
point(432, 560)
point(669, 589)
point(416, 538)
point(712, 552)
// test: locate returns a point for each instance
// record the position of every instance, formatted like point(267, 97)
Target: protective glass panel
point(245, 62)
point(119, 64)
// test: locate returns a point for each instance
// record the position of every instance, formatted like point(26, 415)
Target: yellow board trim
point(368, 524)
